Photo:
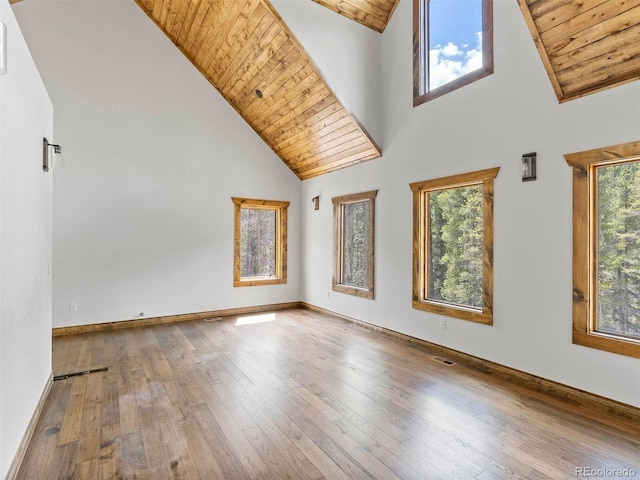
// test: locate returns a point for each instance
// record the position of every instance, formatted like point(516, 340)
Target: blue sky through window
point(455, 39)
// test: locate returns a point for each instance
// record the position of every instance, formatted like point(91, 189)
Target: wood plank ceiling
point(374, 14)
point(250, 56)
point(586, 45)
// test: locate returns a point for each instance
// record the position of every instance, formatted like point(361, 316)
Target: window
point(260, 242)
point(353, 230)
point(453, 246)
point(606, 248)
point(453, 45)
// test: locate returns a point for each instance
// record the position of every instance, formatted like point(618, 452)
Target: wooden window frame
point(338, 243)
point(584, 165)
point(484, 178)
point(281, 241)
point(421, 47)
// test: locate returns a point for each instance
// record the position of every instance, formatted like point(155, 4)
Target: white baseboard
point(26, 439)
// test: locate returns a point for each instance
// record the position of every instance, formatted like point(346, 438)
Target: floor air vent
point(212, 319)
point(64, 376)
point(444, 361)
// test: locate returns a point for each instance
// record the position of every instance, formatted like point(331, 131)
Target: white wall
point(347, 54)
point(143, 218)
point(26, 115)
point(489, 123)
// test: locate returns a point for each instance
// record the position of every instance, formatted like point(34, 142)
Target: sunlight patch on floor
point(267, 317)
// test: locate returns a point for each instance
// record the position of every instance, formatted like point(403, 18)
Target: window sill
point(256, 282)
point(607, 342)
point(473, 315)
point(350, 290)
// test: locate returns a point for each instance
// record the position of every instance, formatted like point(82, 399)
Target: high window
point(453, 246)
point(260, 242)
point(353, 245)
point(606, 248)
point(453, 45)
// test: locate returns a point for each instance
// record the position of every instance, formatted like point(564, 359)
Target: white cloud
point(451, 50)
point(448, 62)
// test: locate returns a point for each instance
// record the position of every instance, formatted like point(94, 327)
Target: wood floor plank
point(72, 423)
point(65, 461)
point(302, 396)
point(90, 428)
point(134, 460)
point(250, 459)
point(224, 454)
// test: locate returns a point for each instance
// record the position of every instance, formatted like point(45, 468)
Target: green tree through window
point(618, 264)
point(455, 246)
point(355, 255)
point(353, 238)
point(606, 248)
point(260, 242)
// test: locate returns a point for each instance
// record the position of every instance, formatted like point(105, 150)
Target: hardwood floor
point(300, 395)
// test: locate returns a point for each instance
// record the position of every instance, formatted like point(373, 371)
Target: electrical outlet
point(329, 294)
point(443, 322)
point(73, 307)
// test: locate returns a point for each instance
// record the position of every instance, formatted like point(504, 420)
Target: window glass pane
point(454, 244)
point(355, 244)
point(257, 242)
point(618, 249)
point(455, 39)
